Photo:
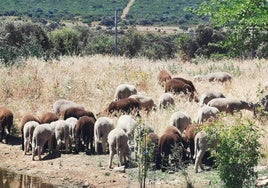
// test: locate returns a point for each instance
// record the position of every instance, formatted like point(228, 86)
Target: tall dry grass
point(91, 81)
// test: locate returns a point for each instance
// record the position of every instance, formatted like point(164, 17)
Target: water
point(13, 180)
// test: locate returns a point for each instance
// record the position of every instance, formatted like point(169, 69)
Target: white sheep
point(180, 120)
point(208, 96)
point(230, 105)
point(206, 113)
point(124, 91)
point(146, 103)
point(61, 134)
point(214, 77)
point(118, 143)
point(71, 121)
point(166, 100)
point(42, 133)
point(102, 127)
point(61, 105)
point(28, 130)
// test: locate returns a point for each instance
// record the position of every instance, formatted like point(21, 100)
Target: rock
point(120, 169)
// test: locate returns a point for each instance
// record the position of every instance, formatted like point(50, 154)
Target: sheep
point(59, 106)
point(6, 122)
point(188, 136)
point(42, 133)
point(84, 133)
point(77, 113)
point(152, 140)
point(208, 96)
point(71, 121)
point(190, 83)
point(128, 124)
point(230, 105)
point(146, 103)
point(162, 77)
point(206, 113)
point(178, 86)
point(180, 120)
point(48, 117)
point(28, 130)
point(168, 142)
point(166, 100)
point(118, 143)
point(215, 77)
point(102, 127)
point(26, 118)
point(61, 134)
point(123, 91)
point(122, 106)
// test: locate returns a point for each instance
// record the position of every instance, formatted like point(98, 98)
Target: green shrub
point(237, 152)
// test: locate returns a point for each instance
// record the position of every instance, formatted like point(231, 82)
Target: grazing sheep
point(102, 127)
point(71, 121)
point(61, 134)
point(169, 142)
point(6, 121)
point(122, 106)
point(230, 105)
point(28, 130)
point(146, 103)
point(61, 105)
point(84, 133)
point(166, 100)
point(190, 83)
point(180, 120)
point(124, 91)
point(26, 118)
point(208, 96)
point(188, 137)
point(48, 117)
point(42, 133)
point(178, 86)
point(206, 113)
point(77, 113)
point(128, 124)
point(118, 143)
point(215, 77)
point(162, 77)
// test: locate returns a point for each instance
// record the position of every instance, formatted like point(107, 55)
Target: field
point(33, 86)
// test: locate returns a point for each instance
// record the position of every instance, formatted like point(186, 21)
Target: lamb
point(26, 118)
point(71, 121)
point(206, 113)
point(230, 105)
point(61, 105)
point(208, 96)
point(61, 134)
point(146, 103)
point(42, 133)
point(6, 122)
point(28, 130)
point(215, 77)
point(162, 77)
point(84, 133)
point(166, 100)
point(124, 91)
point(118, 143)
point(102, 127)
point(180, 120)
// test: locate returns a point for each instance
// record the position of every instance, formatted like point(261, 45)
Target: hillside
point(147, 12)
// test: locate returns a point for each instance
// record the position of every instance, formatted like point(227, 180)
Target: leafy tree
point(245, 20)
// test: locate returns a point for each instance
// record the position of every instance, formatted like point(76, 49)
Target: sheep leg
point(39, 152)
point(103, 143)
point(111, 156)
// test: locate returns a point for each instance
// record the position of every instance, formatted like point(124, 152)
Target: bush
point(237, 152)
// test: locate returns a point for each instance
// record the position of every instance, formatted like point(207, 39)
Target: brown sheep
point(123, 106)
point(177, 86)
point(146, 103)
point(170, 140)
point(84, 132)
point(6, 121)
point(26, 118)
point(124, 91)
point(59, 106)
point(48, 117)
point(77, 113)
point(162, 77)
point(188, 137)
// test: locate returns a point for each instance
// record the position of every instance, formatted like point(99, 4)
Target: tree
point(245, 20)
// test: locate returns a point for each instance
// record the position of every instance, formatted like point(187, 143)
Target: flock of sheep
point(78, 129)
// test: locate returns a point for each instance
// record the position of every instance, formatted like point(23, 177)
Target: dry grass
point(91, 81)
